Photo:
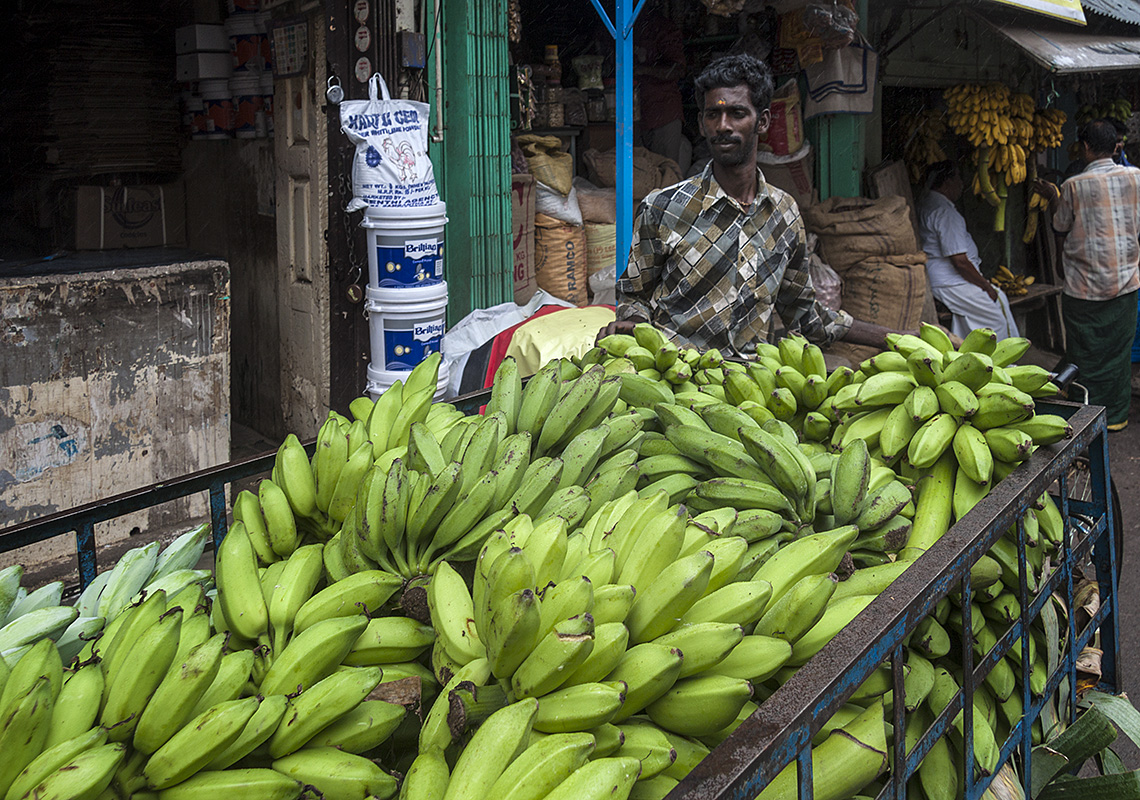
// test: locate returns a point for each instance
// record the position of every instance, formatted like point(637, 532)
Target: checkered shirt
point(1100, 210)
point(709, 274)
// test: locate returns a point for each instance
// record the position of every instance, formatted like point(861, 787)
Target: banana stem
point(469, 705)
point(999, 213)
point(988, 193)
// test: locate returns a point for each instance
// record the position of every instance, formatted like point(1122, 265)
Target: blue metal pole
point(621, 28)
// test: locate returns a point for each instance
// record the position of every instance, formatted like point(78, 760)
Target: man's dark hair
point(742, 69)
point(938, 173)
point(1100, 136)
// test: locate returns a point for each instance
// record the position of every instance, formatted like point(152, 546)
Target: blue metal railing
point(780, 731)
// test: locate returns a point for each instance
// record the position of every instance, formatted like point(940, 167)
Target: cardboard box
point(108, 218)
point(790, 173)
point(204, 66)
point(201, 39)
point(522, 237)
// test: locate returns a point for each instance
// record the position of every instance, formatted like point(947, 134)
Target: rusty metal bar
point(898, 713)
point(784, 724)
point(81, 520)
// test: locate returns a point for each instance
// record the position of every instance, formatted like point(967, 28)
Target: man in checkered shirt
point(713, 256)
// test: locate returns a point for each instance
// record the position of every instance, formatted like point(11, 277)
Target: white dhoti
point(972, 308)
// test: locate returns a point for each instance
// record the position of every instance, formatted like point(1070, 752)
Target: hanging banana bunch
point(1046, 133)
point(1119, 109)
point(1047, 123)
point(923, 134)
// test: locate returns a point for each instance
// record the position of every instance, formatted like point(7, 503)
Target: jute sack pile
point(852, 229)
point(560, 259)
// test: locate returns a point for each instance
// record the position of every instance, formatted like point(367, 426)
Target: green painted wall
point(473, 160)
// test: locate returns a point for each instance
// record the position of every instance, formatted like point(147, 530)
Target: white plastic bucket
point(249, 102)
point(405, 325)
point(405, 246)
point(246, 40)
point(219, 107)
point(381, 380)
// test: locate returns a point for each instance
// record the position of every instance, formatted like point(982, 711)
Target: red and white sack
point(391, 168)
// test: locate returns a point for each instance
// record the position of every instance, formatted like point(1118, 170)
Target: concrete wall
point(110, 381)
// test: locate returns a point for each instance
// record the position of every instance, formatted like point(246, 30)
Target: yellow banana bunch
point(1012, 285)
point(923, 133)
point(1047, 124)
point(980, 112)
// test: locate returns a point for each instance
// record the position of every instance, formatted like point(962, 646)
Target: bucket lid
point(246, 84)
point(382, 378)
point(417, 212)
point(243, 23)
point(213, 85)
point(388, 295)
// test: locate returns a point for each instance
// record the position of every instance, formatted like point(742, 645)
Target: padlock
point(334, 92)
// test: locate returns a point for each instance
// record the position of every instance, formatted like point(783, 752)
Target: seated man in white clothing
point(952, 259)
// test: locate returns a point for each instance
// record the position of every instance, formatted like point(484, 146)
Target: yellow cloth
point(561, 334)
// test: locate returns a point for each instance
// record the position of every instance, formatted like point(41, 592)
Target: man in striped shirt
point(713, 256)
point(1098, 212)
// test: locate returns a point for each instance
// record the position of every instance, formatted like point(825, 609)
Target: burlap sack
point(650, 170)
point(601, 246)
point(547, 162)
point(887, 292)
point(596, 204)
point(852, 229)
point(560, 259)
point(522, 236)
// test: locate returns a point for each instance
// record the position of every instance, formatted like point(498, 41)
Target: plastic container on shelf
point(247, 37)
point(405, 246)
point(249, 104)
point(218, 104)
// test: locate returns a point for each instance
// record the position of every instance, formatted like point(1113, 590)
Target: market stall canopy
point(1064, 52)
point(1123, 10)
point(1069, 10)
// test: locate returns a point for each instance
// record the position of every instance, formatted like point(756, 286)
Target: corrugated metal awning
point(1068, 52)
point(1123, 10)
point(1068, 10)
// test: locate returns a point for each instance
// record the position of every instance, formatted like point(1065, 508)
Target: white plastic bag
point(484, 324)
point(602, 285)
point(562, 207)
point(391, 168)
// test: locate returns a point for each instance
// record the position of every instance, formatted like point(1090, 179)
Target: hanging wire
point(1053, 94)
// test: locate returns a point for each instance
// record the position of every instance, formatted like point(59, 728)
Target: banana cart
point(1075, 471)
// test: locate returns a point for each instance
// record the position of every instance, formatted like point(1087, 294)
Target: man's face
point(730, 124)
point(954, 186)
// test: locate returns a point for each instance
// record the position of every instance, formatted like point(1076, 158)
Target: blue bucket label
point(416, 263)
point(404, 348)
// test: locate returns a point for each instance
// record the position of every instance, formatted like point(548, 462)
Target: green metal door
point(475, 179)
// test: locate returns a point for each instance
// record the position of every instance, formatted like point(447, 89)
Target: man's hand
point(617, 326)
point(1050, 191)
point(991, 290)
